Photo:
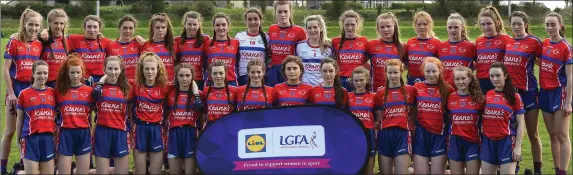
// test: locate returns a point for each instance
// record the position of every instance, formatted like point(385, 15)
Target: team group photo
point(140, 87)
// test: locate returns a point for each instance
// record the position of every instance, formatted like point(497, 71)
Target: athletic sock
point(3, 164)
point(562, 172)
point(556, 170)
point(537, 167)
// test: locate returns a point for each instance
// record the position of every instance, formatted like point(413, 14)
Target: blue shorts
point(427, 144)
point(462, 150)
point(18, 86)
point(110, 142)
point(51, 84)
point(529, 99)
point(182, 142)
point(38, 147)
point(274, 75)
point(74, 141)
point(243, 79)
point(148, 137)
point(497, 152)
point(485, 85)
point(393, 142)
point(412, 80)
point(371, 142)
point(552, 99)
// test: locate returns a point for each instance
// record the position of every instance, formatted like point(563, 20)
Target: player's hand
point(377, 125)
point(15, 36)
point(517, 154)
point(11, 100)
point(567, 108)
point(100, 35)
point(139, 39)
point(102, 79)
point(44, 35)
point(197, 103)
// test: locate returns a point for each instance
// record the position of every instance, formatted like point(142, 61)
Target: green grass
point(333, 31)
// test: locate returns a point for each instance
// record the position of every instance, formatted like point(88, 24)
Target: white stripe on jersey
point(311, 58)
point(250, 48)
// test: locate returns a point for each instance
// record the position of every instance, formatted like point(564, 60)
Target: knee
point(562, 137)
point(8, 134)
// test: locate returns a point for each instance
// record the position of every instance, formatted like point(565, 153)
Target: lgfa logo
point(255, 143)
point(298, 141)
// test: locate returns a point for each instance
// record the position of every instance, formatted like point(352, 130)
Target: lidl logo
point(255, 143)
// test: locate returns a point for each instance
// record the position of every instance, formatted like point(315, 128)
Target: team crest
point(283, 35)
point(496, 99)
point(255, 96)
point(43, 99)
point(548, 51)
point(113, 92)
point(74, 95)
point(431, 91)
point(183, 99)
point(488, 43)
point(515, 46)
point(395, 96)
point(292, 93)
point(359, 101)
point(388, 49)
point(327, 95)
point(462, 104)
point(421, 46)
point(218, 95)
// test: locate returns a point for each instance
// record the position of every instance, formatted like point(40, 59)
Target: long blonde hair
point(464, 27)
point(324, 40)
point(493, 13)
point(160, 79)
point(396, 36)
point(27, 14)
point(428, 17)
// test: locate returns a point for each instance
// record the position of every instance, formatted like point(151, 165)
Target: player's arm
point(519, 137)
point(11, 97)
point(569, 88)
point(19, 122)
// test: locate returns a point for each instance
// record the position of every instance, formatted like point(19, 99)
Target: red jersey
point(395, 111)
point(430, 109)
point(325, 96)
point(418, 49)
point(92, 51)
point(554, 57)
point(166, 56)
point(39, 108)
point(179, 115)
point(255, 98)
point(55, 54)
point(519, 59)
point(351, 55)
point(380, 51)
point(112, 107)
point(489, 51)
point(464, 113)
point(454, 54)
point(22, 56)
point(75, 107)
point(219, 101)
point(499, 118)
point(129, 52)
point(188, 53)
point(362, 106)
point(148, 102)
point(227, 52)
point(283, 40)
point(291, 95)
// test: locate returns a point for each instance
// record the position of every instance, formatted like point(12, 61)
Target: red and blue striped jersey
point(283, 40)
point(362, 106)
point(554, 57)
point(431, 113)
point(187, 53)
point(227, 52)
point(418, 49)
point(454, 54)
point(129, 52)
point(292, 95)
point(39, 108)
point(489, 51)
point(148, 102)
point(111, 108)
point(464, 113)
point(179, 116)
point(22, 56)
point(325, 96)
point(55, 54)
point(218, 102)
point(380, 51)
point(519, 59)
point(166, 56)
point(92, 51)
point(351, 55)
point(499, 118)
point(255, 97)
point(75, 107)
point(395, 111)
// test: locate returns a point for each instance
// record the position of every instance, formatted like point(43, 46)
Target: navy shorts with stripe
point(393, 142)
point(461, 150)
point(412, 80)
point(274, 75)
point(38, 147)
point(74, 141)
point(182, 142)
point(485, 85)
point(110, 142)
point(529, 99)
point(552, 99)
point(148, 137)
point(371, 142)
point(427, 144)
point(497, 152)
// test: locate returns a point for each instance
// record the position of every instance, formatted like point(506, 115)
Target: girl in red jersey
point(430, 136)
point(330, 92)
point(387, 47)
point(74, 102)
point(361, 103)
point(255, 94)
point(223, 48)
point(293, 91)
point(19, 56)
point(457, 50)
point(185, 103)
point(161, 42)
point(253, 43)
point(555, 77)
point(520, 56)
point(491, 45)
point(425, 44)
point(502, 124)
point(125, 46)
point(192, 44)
point(150, 90)
point(35, 122)
point(220, 97)
point(350, 47)
point(393, 103)
point(283, 37)
point(91, 47)
point(57, 47)
point(112, 95)
point(464, 107)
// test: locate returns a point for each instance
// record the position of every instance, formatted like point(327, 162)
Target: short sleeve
point(378, 100)
point(21, 99)
point(518, 106)
point(568, 57)
point(302, 34)
point(10, 50)
point(411, 93)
